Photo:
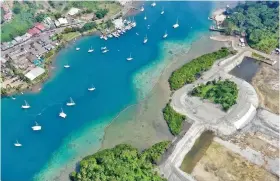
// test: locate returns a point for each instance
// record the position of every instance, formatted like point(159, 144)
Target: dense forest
point(121, 163)
point(193, 70)
point(259, 21)
point(174, 120)
point(219, 92)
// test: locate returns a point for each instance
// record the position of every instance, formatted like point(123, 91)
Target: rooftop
point(34, 73)
point(33, 31)
point(73, 11)
point(40, 26)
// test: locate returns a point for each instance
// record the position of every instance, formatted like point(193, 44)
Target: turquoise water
point(60, 140)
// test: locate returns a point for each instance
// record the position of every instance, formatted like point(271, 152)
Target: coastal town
point(197, 101)
point(26, 59)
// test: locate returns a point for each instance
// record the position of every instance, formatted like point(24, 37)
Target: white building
point(18, 39)
point(73, 11)
point(34, 73)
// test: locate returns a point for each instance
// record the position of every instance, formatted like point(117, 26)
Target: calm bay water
point(112, 76)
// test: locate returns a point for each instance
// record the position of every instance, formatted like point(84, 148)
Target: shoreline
point(161, 87)
point(37, 86)
point(153, 127)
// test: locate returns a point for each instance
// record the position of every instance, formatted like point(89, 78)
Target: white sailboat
point(142, 9)
point(162, 11)
point(67, 66)
point(165, 35)
point(62, 114)
point(91, 88)
point(145, 39)
point(90, 50)
point(105, 51)
point(17, 144)
point(176, 25)
point(26, 106)
point(129, 58)
point(37, 127)
point(71, 103)
point(153, 4)
point(77, 48)
point(103, 48)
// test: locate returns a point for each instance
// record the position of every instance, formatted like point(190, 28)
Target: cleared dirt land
point(221, 164)
point(266, 84)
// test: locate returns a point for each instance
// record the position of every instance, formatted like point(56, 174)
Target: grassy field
point(19, 24)
point(70, 36)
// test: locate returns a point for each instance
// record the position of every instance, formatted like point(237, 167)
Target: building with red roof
point(40, 26)
point(34, 31)
point(5, 8)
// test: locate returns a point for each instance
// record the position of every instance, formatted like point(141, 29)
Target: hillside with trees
point(121, 163)
point(259, 21)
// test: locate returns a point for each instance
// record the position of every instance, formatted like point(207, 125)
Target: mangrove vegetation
point(193, 70)
point(121, 163)
point(174, 120)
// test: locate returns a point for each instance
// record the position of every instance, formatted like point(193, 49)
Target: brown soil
point(255, 141)
point(220, 164)
point(266, 84)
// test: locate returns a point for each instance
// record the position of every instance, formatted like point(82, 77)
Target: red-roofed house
point(33, 31)
point(40, 26)
point(5, 8)
point(8, 16)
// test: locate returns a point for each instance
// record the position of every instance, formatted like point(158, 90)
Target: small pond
point(198, 150)
point(247, 69)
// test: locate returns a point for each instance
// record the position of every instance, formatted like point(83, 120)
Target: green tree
point(16, 10)
point(40, 17)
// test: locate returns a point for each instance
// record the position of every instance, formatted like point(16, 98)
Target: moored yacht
point(153, 4)
point(133, 23)
point(142, 8)
point(105, 51)
point(67, 66)
point(145, 39)
point(77, 48)
point(37, 127)
point(13, 98)
point(103, 48)
point(91, 88)
point(177, 24)
point(162, 11)
point(165, 34)
point(62, 114)
point(71, 103)
point(129, 58)
point(90, 50)
point(17, 144)
point(26, 106)
point(145, 17)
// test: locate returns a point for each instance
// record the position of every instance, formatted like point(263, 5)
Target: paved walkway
point(208, 116)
